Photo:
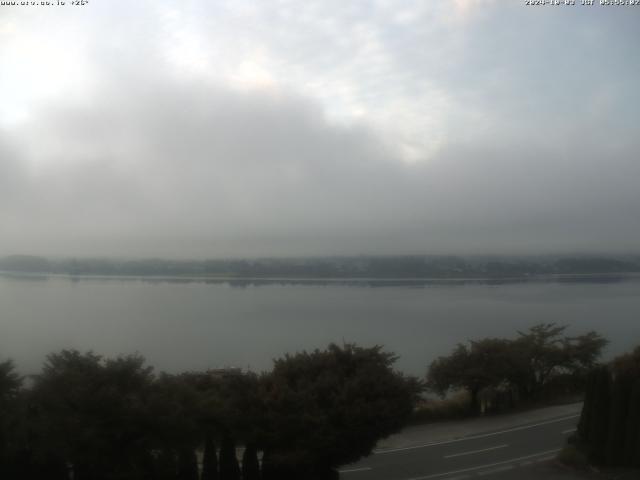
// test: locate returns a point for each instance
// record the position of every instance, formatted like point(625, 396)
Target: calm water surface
point(180, 325)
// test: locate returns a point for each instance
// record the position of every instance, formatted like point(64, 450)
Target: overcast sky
point(220, 128)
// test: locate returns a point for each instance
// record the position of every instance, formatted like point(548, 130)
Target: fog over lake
point(197, 325)
point(210, 132)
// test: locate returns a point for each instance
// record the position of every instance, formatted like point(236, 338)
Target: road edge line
point(473, 437)
point(471, 469)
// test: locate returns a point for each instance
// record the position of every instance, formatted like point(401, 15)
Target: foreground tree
point(10, 382)
point(187, 464)
point(10, 386)
point(609, 428)
point(526, 364)
point(91, 413)
point(482, 364)
point(209, 459)
point(543, 352)
point(250, 463)
point(91, 418)
point(627, 370)
point(229, 468)
point(328, 408)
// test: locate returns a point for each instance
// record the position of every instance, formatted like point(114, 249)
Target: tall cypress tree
point(187, 464)
point(250, 464)
point(166, 465)
point(600, 417)
point(209, 460)
point(620, 392)
point(632, 434)
point(268, 471)
point(624, 434)
point(229, 468)
point(586, 416)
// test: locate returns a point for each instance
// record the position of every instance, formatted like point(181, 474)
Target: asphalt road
point(487, 455)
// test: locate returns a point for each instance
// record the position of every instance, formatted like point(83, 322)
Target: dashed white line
point(545, 459)
point(496, 470)
point(471, 452)
point(352, 470)
point(473, 437)
point(571, 430)
point(482, 467)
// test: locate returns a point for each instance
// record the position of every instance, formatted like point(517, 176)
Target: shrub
point(573, 457)
point(433, 410)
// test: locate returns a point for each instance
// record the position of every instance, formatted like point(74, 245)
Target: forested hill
point(444, 267)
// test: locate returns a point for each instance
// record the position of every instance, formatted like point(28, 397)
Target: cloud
point(246, 128)
point(168, 168)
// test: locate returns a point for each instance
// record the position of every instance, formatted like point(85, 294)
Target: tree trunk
point(632, 434)
point(620, 393)
point(586, 420)
point(475, 403)
point(187, 465)
point(229, 468)
point(209, 460)
point(600, 417)
point(166, 466)
point(250, 464)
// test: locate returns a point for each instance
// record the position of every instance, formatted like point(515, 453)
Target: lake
point(179, 325)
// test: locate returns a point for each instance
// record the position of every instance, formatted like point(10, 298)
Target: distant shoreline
point(382, 281)
point(374, 271)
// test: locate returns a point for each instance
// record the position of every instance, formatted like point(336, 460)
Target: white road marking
point(481, 467)
point(496, 470)
point(571, 430)
point(473, 437)
point(545, 459)
point(352, 470)
point(476, 451)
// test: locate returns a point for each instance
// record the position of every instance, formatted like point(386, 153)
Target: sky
point(217, 128)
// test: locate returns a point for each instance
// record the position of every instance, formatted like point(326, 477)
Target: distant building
point(225, 372)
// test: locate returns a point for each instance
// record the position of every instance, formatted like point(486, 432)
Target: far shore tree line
point(381, 267)
point(86, 417)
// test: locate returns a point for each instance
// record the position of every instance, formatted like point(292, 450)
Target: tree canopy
point(609, 428)
point(481, 364)
point(348, 396)
point(90, 417)
point(525, 364)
